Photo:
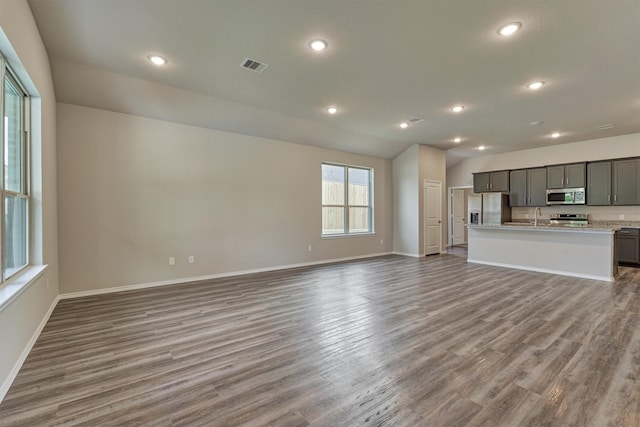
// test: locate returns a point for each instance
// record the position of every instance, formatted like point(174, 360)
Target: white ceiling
point(387, 61)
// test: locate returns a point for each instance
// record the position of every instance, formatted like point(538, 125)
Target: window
point(347, 202)
point(15, 196)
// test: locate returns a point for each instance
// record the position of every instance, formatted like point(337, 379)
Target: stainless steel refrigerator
point(495, 208)
point(474, 207)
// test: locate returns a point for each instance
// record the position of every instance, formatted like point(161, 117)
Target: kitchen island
point(586, 252)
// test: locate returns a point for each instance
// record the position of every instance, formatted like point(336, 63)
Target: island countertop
point(545, 227)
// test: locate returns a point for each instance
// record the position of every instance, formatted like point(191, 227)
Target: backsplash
point(596, 213)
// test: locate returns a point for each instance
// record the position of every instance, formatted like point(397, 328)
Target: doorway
point(458, 215)
point(432, 217)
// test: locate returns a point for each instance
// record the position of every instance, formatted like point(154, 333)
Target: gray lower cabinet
point(599, 184)
point(628, 245)
point(566, 176)
point(491, 181)
point(626, 182)
point(528, 187)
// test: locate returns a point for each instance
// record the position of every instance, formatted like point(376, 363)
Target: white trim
point(25, 352)
point(410, 255)
point(544, 270)
point(346, 236)
point(20, 282)
point(450, 211)
point(210, 277)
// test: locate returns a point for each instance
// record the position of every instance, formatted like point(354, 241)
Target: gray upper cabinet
point(500, 181)
point(607, 182)
point(599, 184)
point(626, 182)
point(555, 177)
point(566, 176)
point(537, 187)
point(491, 181)
point(528, 187)
point(518, 188)
point(481, 182)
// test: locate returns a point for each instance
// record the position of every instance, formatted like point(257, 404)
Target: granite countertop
point(543, 225)
point(526, 226)
point(616, 225)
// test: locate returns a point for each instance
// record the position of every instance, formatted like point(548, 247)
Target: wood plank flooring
point(391, 341)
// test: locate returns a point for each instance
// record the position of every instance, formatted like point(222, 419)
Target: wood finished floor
point(391, 341)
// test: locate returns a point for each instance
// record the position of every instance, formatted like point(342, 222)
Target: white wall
point(410, 169)
point(20, 42)
point(135, 191)
point(406, 202)
point(597, 149)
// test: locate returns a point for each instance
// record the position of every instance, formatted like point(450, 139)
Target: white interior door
point(458, 216)
point(432, 217)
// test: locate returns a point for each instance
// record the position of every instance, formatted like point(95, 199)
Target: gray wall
point(135, 191)
point(20, 319)
point(432, 163)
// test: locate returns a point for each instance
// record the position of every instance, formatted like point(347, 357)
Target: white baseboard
point(211, 276)
point(544, 270)
point(25, 352)
point(411, 255)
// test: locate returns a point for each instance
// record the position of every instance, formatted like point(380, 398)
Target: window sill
point(19, 283)
point(347, 236)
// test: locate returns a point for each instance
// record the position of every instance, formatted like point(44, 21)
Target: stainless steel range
point(569, 220)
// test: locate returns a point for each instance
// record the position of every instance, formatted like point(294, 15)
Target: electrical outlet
point(172, 260)
point(309, 248)
point(192, 259)
point(621, 217)
point(382, 241)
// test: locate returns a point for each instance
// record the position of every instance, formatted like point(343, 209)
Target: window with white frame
point(347, 202)
point(14, 108)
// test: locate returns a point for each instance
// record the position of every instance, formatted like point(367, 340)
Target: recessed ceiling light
point(318, 45)
point(482, 147)
point(404, 125)
point(456, 140)
point(157, 59)
point(555, 135)
point(507, 30)
point(535, 85)
point(332, 110)
point(457, 108)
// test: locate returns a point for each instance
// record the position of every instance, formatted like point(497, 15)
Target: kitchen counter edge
point(587, 229)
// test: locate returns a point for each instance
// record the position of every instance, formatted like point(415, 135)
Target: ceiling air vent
point(253, 65)
point(415, 120)
point(605, 127)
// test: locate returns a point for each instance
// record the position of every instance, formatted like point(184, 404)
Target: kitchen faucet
point(535, 215)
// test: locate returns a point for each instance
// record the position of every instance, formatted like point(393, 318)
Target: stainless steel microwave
point(566, 196)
